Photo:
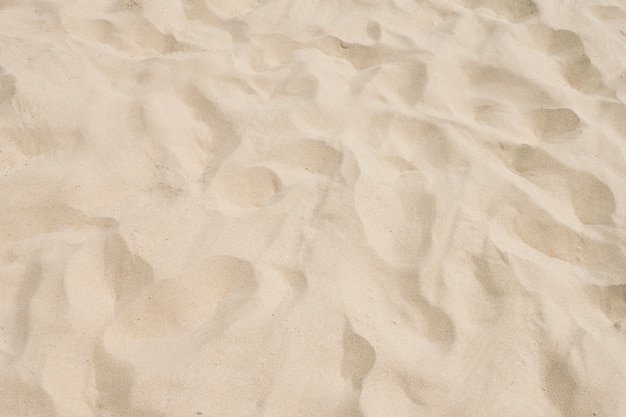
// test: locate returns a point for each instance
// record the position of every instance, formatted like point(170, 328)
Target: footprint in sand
point(313, 156)
point(611, 299)
point(513, 10)
point(568, 49)
point(593, 201)
point(397, 217)
point(607, 14)
point(509, 88)
point(211, 292)
point(7, 87)
point(373, 30)
point(359, 357)
point(400, 82)
point(582, 74)
point(552, 124)
point(246, 187)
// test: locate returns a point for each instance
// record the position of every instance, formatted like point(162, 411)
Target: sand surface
point(312, 208)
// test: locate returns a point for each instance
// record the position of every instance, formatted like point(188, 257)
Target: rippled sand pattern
point(312, 208)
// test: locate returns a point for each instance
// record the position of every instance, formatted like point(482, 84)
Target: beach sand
point(312, 208)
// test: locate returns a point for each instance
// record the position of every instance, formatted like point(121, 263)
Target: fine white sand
point(312, 208)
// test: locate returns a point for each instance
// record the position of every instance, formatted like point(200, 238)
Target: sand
point(312, 208)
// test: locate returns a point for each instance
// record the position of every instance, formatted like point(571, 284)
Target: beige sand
point(312, 208)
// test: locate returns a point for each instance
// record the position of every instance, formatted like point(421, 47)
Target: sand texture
point(312, 208)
